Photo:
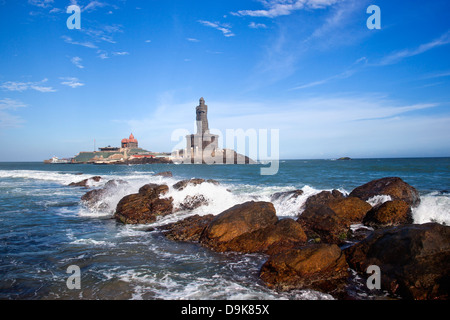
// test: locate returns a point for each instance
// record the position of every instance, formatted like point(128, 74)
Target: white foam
point(433, 208)
point(378, 199)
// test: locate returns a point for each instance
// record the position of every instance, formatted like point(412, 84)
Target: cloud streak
point(224, 28)
point(23, 86)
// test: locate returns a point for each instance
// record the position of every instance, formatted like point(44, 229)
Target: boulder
point(193, 202)
point(164, 174)
point(322, 224)
point(144, 206)
point(94, 199)
point(350, 210)
point(323, 198)
point(85, 182)
point(283, 235)
point(180, 185)
point(286, 195)
point(237, 220)
point(414, 260)
point(319, 267)
point(394, 187)
point(189, 229)
point(390, 213)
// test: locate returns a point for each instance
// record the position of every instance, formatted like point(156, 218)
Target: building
point(130, 143)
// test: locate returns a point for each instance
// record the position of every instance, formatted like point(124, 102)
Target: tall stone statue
point(202, 117)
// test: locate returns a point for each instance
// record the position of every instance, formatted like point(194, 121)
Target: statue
point(202, 117)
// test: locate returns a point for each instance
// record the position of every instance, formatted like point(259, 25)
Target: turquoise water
point(44, 227)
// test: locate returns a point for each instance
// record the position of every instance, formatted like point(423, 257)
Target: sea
point(45, 228)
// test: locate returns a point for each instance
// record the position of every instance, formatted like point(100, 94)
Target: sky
point(311, 69)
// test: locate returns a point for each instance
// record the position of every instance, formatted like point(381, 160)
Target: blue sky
point(309, 68)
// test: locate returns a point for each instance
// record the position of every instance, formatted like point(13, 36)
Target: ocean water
point(44, 227)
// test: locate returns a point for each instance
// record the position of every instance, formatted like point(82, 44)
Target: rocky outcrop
point(319, 267)
point(323, 198)
point(282, 235)
point(189, 229)
point(350, 210)
point(394, 187)
point(390, 213)
point(193, 202)
point(236, 221)
point(85, 183)
point(94, 199)
point(144, 206)
point(414, 260)
point(164, 174)
point(180, 185)
point(286, 195)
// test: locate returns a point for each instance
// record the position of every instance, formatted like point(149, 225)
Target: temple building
point(131, 142)
point(202, 141)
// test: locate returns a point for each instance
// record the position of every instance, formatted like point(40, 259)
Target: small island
point(345, 158)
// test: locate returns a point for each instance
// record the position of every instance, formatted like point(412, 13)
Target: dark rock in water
point(145, 206)
point(394, 187)
point(237, 220)
point(214, 182)
point(193, 202)
point(323, 198)
point(345, 158)
point(94, 198)
point(322, 224)
point(164, 174)
point(286, 194)
point(283, 235)
point(180, 185)
point(189, 229)
point(85, 182)
point(319, 267)
point(390, 213)
point(414, 260)
point(350, 210)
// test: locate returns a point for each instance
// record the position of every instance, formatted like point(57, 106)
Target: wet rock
point(414, 260)
point(322, 224)
point(350, 210)
point(193, 202)
point(319, 267)
point(189, 229)
point(164, 174)
point(180, 185)
point(144, 206)
point(323, 198)
point(394, 187)
point(94, 199)
point(286, 194)
point(390, 213)
point(237, 220)
point(85, 183)
point(283, 235)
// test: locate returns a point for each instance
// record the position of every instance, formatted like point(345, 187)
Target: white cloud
point(72, 82)
point(77, 62)
point(224, 28)
point(86, 44)
point(120, 53)
point(11, 104)
point(192, 40)
point(41, 3)
point(276, 8)
point(254, 25)
point(7, 120)
point(93, 5)
point(148, 41)
point(22, 86)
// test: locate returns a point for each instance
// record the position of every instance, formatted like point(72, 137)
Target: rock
point(390, 213)
point(180, 185)
point(193, 202)
point(94, 199)
point(286, 194)
point(164, 174)
point(145, 206)
point(283, 235)
point(414, 260)
point(237, 220)
point(319, 267)
point(322, 224)
point(350, 210)
point(323, 198)
point(189, 229)
point(394, 187)
point(214, 182)
point(85, 182)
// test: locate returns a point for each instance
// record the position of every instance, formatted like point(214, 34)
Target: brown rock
point(322, 224)
point(390, 213)
point(85, 182)
point(323, 198)
point(189, 229)
point(94, 198)
point(180, 185)
point(145, 206)
point(283, 235)
point(394, 187)
point(286, 195)
point(319, 267)
point(350, 210)
point(193, 202)
point(164, 174)
point(414, 260)
point(237, 220)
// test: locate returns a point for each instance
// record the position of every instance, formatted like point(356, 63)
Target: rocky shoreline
point(321, 247)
